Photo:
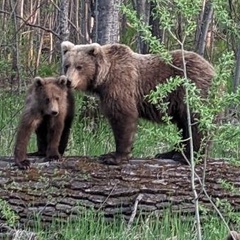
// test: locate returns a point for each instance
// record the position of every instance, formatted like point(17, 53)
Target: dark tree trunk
point(59, 189)
point(236, 79)
point(155, 24)
point(143, 11)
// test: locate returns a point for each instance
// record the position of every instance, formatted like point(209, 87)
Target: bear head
point(85, 65)
point(50, 94)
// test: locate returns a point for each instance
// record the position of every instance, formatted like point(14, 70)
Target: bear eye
point(47, 100)
point(57, 98)
point(66, 68)
point(79, 68)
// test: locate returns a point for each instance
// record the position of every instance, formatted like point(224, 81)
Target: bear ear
point(94, 49)
point(64, 81)
point(66, 46)
point(38, 81)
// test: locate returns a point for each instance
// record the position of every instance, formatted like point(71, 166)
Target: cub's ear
point(94, 49)
point(38, 81)
point(64, 81)
point(66, 46)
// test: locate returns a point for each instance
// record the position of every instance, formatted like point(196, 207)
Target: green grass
point(91, 225)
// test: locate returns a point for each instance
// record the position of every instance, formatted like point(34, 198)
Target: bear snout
point(54, 113)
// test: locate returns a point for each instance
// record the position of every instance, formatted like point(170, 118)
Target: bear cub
point(49, 111)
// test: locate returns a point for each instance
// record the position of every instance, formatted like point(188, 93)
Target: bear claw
point(23, 165)
point(52, 158)
point(113, 159)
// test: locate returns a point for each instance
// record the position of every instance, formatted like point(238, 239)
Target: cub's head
point(51, 94)
point(85, 65)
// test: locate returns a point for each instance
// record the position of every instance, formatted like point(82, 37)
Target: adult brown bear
point(49, 110)
point(122, 79)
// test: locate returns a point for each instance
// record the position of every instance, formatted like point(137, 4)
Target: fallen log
point(62, 189)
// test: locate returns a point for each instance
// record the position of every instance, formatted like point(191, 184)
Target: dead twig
point(138, 199)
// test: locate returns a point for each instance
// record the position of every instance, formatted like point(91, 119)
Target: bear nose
point(54, 113)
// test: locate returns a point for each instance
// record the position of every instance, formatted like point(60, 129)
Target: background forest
point(32, 30)
point(31, 33)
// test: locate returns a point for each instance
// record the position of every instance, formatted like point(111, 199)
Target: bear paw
point(178, 157)
point(52, 156)
point(23, 165)
point(114, 158)
point(173, 155)
point(166, 155)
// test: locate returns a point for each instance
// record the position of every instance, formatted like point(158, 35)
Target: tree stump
point(62, 189)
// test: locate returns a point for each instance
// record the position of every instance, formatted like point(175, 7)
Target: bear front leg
point(27, 125)
point(54, 135)
point(41, 133)
point(124, 127)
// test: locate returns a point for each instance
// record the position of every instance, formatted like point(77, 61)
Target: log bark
point(62, 189)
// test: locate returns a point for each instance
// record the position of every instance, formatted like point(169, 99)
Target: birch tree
point(64, 31)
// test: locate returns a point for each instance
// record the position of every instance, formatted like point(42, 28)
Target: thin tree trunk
point(64, 31)
point(85, 24)
point(155, 24)
point(15, 76)
point(51, 44)
point(237, 71)
point(207, 18)
point(61, 189)
point(143, 11)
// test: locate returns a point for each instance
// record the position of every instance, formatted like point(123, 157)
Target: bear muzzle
point(54, 113)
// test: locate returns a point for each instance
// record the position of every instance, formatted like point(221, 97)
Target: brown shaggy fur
point(122, 79)
point(49, 110)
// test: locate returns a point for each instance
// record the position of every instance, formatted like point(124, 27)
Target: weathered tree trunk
point(64, 31)
point(61, 189)
point(107, 21)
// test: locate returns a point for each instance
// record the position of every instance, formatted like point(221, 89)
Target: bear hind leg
point(197, 137)
point(124, 127)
